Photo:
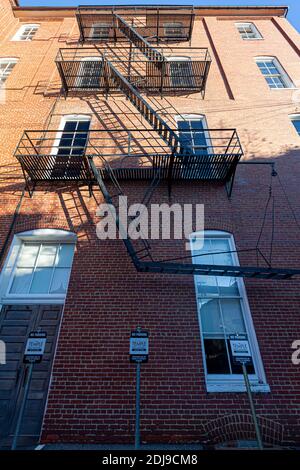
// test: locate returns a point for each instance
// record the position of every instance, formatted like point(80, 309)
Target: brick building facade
point(245, 91)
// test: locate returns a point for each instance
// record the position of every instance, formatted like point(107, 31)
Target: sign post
point(241, 354)
point(139, 349)
point(34, 351)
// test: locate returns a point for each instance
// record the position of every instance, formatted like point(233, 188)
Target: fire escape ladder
point(158, 124)
point(134, 37)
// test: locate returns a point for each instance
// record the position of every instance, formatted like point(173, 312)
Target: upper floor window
point(181, 72)
point(89, 72)
point(6, 66)
point(193, 133)
point(26, 32)
point(223, 311)
point(248, 31)
point(295, 118)
point(174, 30)
point(100, 31)
point(274, 73)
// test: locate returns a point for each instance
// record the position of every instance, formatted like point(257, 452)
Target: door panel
point(15, 324)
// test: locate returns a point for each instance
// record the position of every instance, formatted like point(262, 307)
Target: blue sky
point(294, 5)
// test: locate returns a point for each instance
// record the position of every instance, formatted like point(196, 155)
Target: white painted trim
point(64, 119)
point(234, 382)
point(18, 34)
point(294, 117)
point(258, 37)
point(39, 235)
point(197, 117)
point(284, 75)
point(236, 388)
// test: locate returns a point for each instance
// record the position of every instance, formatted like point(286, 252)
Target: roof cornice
point(271, 11)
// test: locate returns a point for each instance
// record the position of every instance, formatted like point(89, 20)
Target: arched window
point(248, 31)
point(193, 133)
point(181, 71)
point(174, 30)
point(273, 72)
point(38, 266)
point(6, 66)
point(100, 31)
point(223, 311)
point(295, 118)
point(89, 72)
point(26, 32)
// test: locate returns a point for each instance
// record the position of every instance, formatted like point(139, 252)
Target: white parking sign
point(139, 346)
point(35, 346)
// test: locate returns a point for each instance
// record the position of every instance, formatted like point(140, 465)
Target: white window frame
point(173, 25)
point(6, 276)
point(184, 59)
point(21, 30)
point(254, 29)
point(231, 382)
point(8, 61)
point(295, 117)
point(100, 25)
point(81, 67)
point(284, 75)
point(64, 119)
point(197, 117)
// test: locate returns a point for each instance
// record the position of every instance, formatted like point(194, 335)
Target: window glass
point(193, 135)
point(26, 32)
point(174, 29)
point(296, 123)
point(42, 268)
point(220, 307)
point(273, 73)
point(6, 66)
point(248, 31)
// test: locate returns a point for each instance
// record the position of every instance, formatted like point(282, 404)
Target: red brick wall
point(93, 387)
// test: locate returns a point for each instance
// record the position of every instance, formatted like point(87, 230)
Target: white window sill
point(28, 300)
point(285, 88)
point(237, 387)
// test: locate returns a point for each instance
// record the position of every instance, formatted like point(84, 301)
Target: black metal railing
point(180, 70)
point(155, 23)
point(131, 154)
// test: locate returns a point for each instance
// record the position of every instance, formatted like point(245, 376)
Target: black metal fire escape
point(180, 161)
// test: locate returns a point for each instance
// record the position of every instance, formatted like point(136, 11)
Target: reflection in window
point(173, 30)
point(248, 31)
point(274, 74)
point(42, 268)
point(220, 306)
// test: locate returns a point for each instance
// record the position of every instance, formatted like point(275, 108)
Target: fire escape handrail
point(142, 44)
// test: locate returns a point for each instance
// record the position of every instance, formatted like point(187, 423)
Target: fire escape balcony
point(159, 23)
point(64, 156)
point(180, 69)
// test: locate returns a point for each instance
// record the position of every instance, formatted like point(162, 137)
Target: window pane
point(207, 286)
point(28, 255)
point(210, 318)
point(232, 316)
point(216, 356)
point(21, 281)
point(47, 255)
point(65, 256)
point(228, 286)
point(60, 281)
point(41, 281)
point(296, 123)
